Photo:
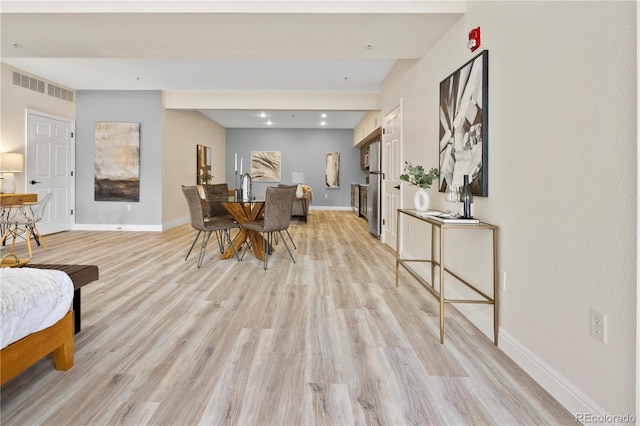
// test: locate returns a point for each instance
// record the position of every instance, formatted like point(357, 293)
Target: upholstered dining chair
point(214, 208)
point(212, 193)
point(277, 216)
point(206, 225)
point(20, 221)
point(283, 185)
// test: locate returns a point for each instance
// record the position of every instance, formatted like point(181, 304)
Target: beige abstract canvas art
point(117, 162)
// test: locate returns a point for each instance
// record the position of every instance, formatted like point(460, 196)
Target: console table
point(439, 292)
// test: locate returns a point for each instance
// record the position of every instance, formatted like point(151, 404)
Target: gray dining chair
point(277, 216)
point(282, 185)
point(213, 193)
point(206, 225)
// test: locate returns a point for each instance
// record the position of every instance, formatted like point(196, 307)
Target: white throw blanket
point(31, 300)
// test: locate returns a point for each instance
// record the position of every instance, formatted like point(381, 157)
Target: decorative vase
point(466, 196)
point(299, 191)
point(421, 200)
point(247, 190)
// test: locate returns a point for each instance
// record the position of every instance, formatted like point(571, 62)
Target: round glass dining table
point(244, 211)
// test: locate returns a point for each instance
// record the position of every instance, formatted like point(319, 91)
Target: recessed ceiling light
point(323, 123)
point(323, 115)
point(269, 123)
point(263, 114)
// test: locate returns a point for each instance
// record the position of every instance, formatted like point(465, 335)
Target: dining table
point(242, 211)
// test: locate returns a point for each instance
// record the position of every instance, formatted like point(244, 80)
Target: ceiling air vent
point(28, 82)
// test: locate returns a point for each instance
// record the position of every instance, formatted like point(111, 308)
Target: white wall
point(181, 132)
point(13, 105)
point(562, 184)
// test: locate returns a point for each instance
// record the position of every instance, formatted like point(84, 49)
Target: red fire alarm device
point(474, 39)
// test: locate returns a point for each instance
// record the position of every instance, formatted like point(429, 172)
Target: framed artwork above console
point(464, 135)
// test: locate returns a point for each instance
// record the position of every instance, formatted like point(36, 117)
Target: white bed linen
point(31, 300)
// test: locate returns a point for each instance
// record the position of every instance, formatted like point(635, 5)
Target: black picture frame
point(464, 130)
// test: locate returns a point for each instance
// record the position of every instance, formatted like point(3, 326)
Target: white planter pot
point(421, 200)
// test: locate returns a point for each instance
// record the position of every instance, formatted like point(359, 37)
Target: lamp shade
point(11, 162)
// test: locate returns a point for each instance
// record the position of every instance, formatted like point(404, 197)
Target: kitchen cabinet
point(364, 156)
point(368, 129)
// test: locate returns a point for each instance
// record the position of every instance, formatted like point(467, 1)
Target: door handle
point(33, 182)
point(397, 186)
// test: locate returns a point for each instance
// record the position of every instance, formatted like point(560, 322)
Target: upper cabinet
point(368, 129)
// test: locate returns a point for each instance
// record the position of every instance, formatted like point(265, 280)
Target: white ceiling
point(242, 46)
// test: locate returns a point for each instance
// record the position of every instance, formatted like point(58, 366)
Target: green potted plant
point(416, 175)
point(205, 178)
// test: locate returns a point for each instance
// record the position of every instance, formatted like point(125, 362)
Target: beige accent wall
point(14, 102)
point(181, 132)
point(562, 185)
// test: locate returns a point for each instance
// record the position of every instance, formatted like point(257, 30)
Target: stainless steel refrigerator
point(375, 186)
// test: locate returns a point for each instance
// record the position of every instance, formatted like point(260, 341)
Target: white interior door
point(391, 140)
point(50, 159)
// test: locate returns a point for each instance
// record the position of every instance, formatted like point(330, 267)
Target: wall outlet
point(128, 207)
point(326, 195)
point(502, 279)
point(598, 323)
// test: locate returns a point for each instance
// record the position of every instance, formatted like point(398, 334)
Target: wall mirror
point(203, 156)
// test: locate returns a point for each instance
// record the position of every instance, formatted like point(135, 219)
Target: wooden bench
point(81, 275)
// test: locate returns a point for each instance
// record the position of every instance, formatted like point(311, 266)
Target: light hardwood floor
point(329, 340)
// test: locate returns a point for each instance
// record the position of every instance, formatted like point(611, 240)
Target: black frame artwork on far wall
point(464, 132)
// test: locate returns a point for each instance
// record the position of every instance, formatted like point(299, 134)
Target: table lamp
point(298, 178)
point(10, 163)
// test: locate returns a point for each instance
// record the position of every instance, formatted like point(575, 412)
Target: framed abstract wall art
point(117, 162)
point(265, 166)
point(332, 170)
point(464, 118)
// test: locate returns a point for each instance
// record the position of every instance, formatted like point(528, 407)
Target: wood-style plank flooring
point(328, 340)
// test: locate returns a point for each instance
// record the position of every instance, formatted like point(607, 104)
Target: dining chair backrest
point(28, 213)
point(195, 207)
point(39, 208)
point(213, 192)
point(278, 203)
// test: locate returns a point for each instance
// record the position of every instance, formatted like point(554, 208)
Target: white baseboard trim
point(115, 227)
point(135, 228)
point(567, 394)
point(574, 400)
point(330, 208)
point(175, 223)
